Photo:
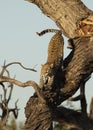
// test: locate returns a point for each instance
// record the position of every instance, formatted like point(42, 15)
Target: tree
point(76, 24)
point(43, 107)
point(5, 98)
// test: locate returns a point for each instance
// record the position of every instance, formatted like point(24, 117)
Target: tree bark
point(69, 116)
point(67, 14)
point(39, 115)
point(80, 66)
point(74, 23)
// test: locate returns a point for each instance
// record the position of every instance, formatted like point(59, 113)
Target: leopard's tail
point(49, 30)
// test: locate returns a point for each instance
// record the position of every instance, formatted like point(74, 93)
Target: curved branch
point(5, 66)
point(15, 110)
point(20, 65)
point(26, 84)
point(4, 89)
point(10, 93)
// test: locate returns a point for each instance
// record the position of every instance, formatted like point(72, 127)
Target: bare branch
point(8, 74)
point(1, 106)
point(3, 69)
point(5, 66)
point(77, 98)
point(16, 103)
point(10, 94)
point(15, 110)
point(91, 108)
point(1, 98)
point(4, 105)
point(21, 66)
point(26, 84)
point(11, 87)
point(5, 115)
point(4, 89)
point(82, 96)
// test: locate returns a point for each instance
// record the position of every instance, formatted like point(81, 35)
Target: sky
point(19, 22)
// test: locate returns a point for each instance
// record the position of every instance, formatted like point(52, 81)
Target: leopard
point(55, 47)
point(53, 66)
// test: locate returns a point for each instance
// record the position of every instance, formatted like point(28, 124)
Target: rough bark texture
point(77, 118)
point(67, 14)
point(80, 67)
point(76, 22)
point(39, 116)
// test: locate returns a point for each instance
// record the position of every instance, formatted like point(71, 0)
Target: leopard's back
point(55, 49)
point(54, 59)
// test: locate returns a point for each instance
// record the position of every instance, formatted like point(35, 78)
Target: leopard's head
point(47, 75)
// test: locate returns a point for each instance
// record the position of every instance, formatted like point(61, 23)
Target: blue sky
point(19, 22)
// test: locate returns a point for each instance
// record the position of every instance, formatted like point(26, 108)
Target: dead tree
point(5, 98)
point(43, 107)
point(41, 111)
point(4, 106)
point(76, 24)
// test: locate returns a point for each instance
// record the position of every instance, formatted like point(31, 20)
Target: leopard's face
point(47, 75)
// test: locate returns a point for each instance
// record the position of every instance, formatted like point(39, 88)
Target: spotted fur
point(54, 59)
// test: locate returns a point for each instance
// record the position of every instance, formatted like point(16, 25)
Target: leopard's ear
point(51, 66)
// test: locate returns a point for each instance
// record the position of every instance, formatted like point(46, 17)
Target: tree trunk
point(67, 14)
point(76, 22)
point(69, 116)
point(39, 115)
point(80, 67)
